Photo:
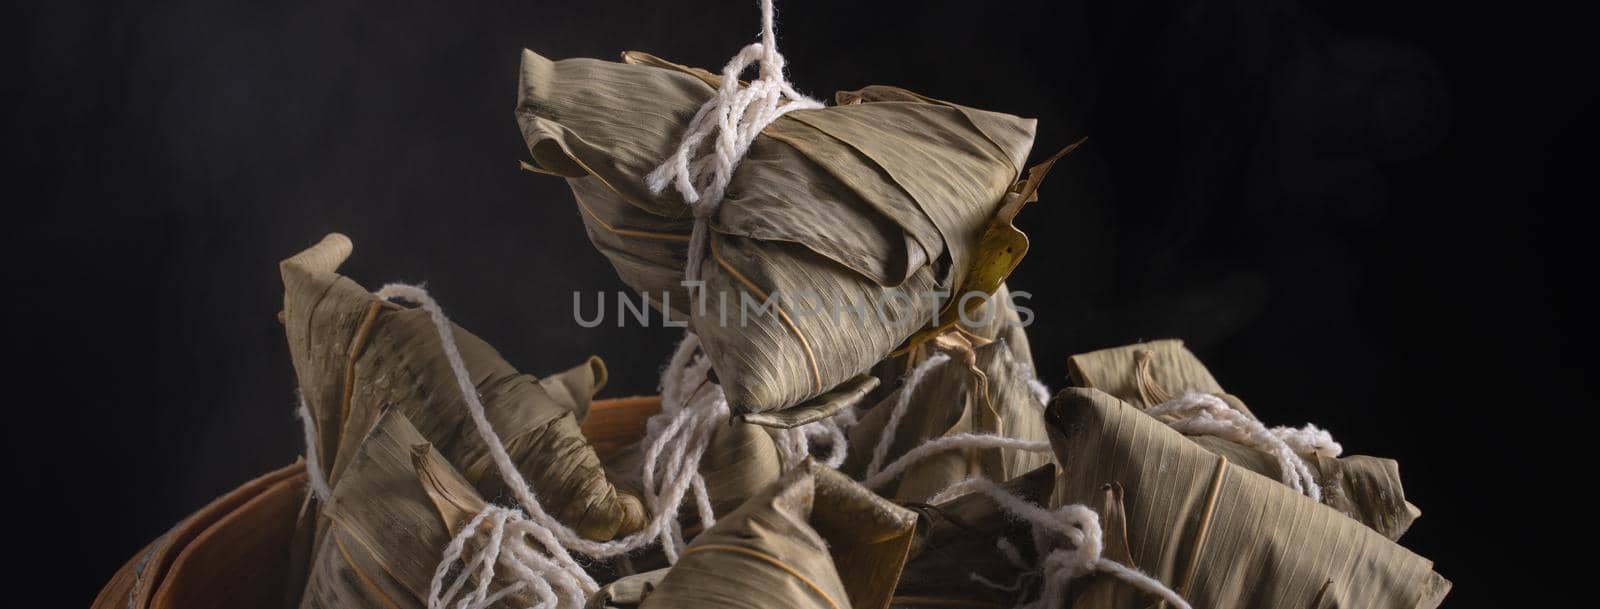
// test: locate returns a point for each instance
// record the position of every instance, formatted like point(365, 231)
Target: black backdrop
point(1353, 212)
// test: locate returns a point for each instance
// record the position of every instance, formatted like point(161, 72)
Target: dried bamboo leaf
point(396, 482)
point(999, 320)
point(576, 387)
point(868, 536)
point(856, 203)
point(320, 360)
point(938, 407)
point(1365, 488)
point(814, 538)
point(357, 355)
point(996, 319)
point(1144, 374)
point(1000, 248)
point(1221, 535)
point(1012, 409)
point(741, 461)
point(818, 408)
point(782, 359)
point(1107, 592)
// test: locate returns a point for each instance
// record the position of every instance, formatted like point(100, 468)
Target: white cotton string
point(314, 476)
point(675, 441)
point(553, 535)
point(551, 565)
point(556, 563)
point(1010, 551)
point(956, 489)
point(1015, 586)
point(731, 119)
point(794, 444)
point(1205, 414)
point(1069, 539)
point(1309, 440)
point(951, 442)
point(833, 431)
point(1041, 391)
point(502, 535)
point(901, 406)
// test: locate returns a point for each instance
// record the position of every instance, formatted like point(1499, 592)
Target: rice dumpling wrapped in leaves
point(1149, 374)
point(391, 516)
point(959, 389)
point(848, 217)
point(357, 354)
point(1216, 533)
point(964, 537)
point(813, 539)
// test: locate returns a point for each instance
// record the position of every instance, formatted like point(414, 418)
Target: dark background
point(1358, 213)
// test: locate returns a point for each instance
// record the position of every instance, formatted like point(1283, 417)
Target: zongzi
point(1148, 375)
point(357, 354)
point(848, 220)
point(1219, 534)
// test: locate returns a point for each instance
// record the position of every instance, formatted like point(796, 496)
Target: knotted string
point(553, 561)
point(1069, 540)
point(506, 546)
point(1205, 414)
point(731, 119)
point(692, 412)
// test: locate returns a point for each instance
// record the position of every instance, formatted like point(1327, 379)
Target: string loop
point(721, 132)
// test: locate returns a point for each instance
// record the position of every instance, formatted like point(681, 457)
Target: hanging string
point(731, 119)
point(676, 440)
point(1205, 414)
